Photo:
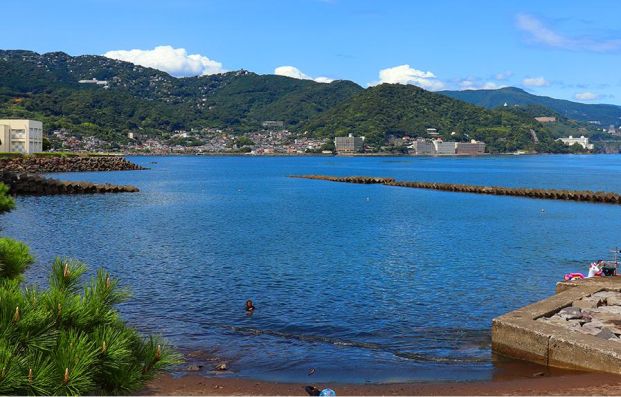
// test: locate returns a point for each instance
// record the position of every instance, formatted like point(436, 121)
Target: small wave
point(361, 345)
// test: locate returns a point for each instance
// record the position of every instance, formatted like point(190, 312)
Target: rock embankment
point(549, 194)
point(598, 314)
point(35, 165)
point(29, 184)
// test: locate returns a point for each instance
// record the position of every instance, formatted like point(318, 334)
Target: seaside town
point(274, 139)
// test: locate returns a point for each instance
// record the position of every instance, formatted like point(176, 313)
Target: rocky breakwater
point(548, 194)
point(29, 184)
point(598, 314)
point(40, 164)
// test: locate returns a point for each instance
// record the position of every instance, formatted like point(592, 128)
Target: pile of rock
point(598, 314)
point(28, 184)
point(34, 164)
point(549, 194)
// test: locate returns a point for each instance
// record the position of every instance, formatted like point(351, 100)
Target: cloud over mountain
point(175, 61)
point(293, 72)
point(405, 74)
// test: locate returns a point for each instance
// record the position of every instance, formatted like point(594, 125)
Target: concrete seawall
point(29, 184)
point(523, 335)
point(548, 194)
point(35, 164)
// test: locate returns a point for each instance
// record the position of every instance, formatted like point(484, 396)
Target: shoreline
point(533, 384)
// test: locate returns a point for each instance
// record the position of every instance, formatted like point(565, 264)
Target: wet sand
point(546, 384)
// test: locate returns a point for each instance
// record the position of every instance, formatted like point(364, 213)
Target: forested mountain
point(408, 110)
point(135, 98)
point(605, 114)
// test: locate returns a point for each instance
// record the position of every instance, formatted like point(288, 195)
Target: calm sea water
point(360, 282)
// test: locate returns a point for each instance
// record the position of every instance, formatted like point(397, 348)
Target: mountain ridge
point(604, 113)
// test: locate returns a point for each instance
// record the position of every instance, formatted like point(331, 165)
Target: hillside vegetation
point(137, 98)
point(408, 110)
point(153, 103)
point(605, 114)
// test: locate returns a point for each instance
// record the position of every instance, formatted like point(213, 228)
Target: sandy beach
point(565, 384)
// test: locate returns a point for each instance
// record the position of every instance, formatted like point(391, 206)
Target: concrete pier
point(519, 335)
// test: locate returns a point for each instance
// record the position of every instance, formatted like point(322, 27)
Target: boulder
point(614, 300)
point(570, 313)
point(590, 329)
point(605, 333)
point(588, 303)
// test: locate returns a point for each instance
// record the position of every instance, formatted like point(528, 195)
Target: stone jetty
point(579, 327)
point(30, 184)
point(548, 194)
point(35, 164)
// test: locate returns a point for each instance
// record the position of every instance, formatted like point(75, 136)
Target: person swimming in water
point(249, 306)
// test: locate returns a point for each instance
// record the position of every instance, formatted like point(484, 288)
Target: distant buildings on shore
point(21, 136)
point(349, 144)
point(421, 146)
point(582, 141)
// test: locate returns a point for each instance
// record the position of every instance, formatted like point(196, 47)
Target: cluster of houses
point(26, 136)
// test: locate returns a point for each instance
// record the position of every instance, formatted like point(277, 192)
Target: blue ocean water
point(363, 283)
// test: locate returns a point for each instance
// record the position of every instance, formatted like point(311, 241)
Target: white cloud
point(535, 82)
point(404, 74)
point(292, 71)
point(586, 96)
point(539, 33)
point(175, 61)
point(471, 84)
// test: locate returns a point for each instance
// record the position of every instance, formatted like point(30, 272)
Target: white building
point(21, 136)
point(423, 147)
point(582, 141)
point(349, 144)
point(444, 147)
point(471, 148)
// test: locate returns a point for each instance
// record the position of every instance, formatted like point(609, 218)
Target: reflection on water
point(361, 282)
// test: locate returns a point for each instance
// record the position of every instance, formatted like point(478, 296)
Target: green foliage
point(46, 87)
point(70, 340)
point(154, 103)
point(6, 202)
point(243, 141)
point(14, 258)
point(408, 110)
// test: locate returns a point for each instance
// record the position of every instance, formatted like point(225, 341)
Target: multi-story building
point(470, 148)
point(423, 147)
point(444, 147)
point(349, 144)
point(582, 141)
point(21, 136)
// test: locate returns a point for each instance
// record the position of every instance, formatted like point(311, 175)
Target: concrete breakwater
point(35, 164)
point(577, 328)
point(549, 194)
point(29, 184)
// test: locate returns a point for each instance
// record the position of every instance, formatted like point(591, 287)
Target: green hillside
point(605, 114)
point(399, 110)
point(150, 101)
point(153, 103)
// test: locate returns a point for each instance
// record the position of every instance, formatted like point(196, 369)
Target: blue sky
point(565, 49)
